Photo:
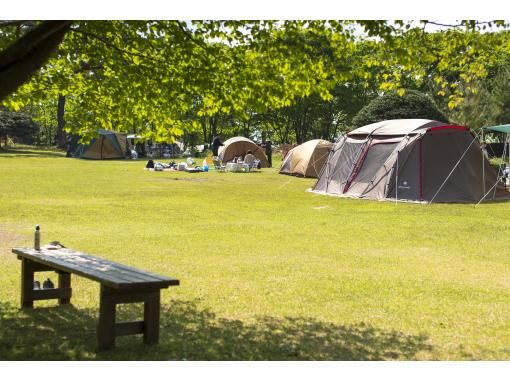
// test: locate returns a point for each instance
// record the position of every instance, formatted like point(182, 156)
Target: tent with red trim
point(410, 160)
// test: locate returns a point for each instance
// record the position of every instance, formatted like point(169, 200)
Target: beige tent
point(239, 146)
point(306, 159)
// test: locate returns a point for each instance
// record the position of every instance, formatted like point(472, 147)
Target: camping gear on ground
point(239, 146)
point(196, 169)
point(181, 166)
point(410, 159)
point(307, 159)
point(107, 145)
point(254, 165)
point(48, 284)
point(217, 165)
point(161, 166)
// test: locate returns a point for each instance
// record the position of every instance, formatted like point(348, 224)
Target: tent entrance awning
point(505, 128)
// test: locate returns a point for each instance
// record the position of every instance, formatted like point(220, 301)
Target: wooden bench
point(119, 284)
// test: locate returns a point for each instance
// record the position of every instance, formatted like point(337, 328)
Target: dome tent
point(107, 145)
point(307, 159)
point(410, 159)
point(239, 146)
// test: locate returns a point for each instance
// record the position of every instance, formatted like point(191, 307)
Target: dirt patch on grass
point(189, 179)
point(8, 240)
point(178, 179)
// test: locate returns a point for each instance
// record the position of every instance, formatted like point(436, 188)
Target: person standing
point(269, 152)
point(216, 143)
point(249, 158)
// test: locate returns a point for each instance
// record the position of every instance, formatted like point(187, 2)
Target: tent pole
point(483, 163)
point(396, 182)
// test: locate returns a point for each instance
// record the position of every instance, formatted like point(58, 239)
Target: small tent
point(239, 146)
point(410, 159)
point(107, 145)
point(307, 159)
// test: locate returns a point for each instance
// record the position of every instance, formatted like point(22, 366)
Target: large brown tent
point(307, 159)
point(239, 146)
point(413, 160)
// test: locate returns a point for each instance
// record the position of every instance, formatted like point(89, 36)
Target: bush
point(412, 105)
point(17, 125)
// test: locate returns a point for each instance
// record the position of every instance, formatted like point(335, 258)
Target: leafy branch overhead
point(159, 76)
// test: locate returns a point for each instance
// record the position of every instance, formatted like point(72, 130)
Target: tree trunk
point(61, 134)
point(203, 123)
point(20, 60)
point(246, 129)
point(214, 126)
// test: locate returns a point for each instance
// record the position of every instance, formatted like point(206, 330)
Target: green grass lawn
point(268, 271)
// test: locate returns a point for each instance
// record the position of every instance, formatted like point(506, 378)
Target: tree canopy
point(160, 78)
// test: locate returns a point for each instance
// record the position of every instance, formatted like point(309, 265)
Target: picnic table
point(118, 284)
point(236, 167)
point(243, 167)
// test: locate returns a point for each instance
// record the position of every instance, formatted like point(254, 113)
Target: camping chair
point(254, 165)
point(217, 165)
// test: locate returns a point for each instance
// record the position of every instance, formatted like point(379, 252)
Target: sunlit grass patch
point(267, 270)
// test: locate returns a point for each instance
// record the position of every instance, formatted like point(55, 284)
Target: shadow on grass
point(13, 153)
point(188, 333)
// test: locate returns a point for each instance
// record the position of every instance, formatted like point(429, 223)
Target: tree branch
point(20, 60)
point(115, 47)
point(476, 23)
point(87, 67)
point(191, 37)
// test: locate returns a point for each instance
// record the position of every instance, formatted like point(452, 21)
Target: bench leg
point(108, 329)
point(27, 283)
point(64, 282)
point(151, 318)
point(29, 295)
point(106, 324)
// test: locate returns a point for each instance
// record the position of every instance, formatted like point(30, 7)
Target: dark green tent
point(107, 145)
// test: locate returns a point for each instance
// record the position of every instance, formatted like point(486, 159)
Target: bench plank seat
point(104, 271)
